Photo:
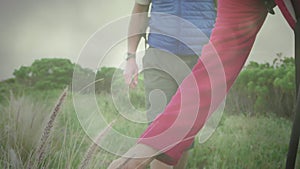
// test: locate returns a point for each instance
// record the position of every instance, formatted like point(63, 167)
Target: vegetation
point(253, 133)
point(239, 142)
point(245, 142)
point(259, 89)
point(264, 88)
point(50, 74)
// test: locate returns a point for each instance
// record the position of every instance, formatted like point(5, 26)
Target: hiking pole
point(294, 141)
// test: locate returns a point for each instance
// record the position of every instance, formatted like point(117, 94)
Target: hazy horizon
point(43, 29)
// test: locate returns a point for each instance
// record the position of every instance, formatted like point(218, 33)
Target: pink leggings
point(237, 24)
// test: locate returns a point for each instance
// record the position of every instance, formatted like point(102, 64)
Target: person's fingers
point(131, 78)
point(132, 85)
point(127, 78)
point(131, 73)
point(134, 81)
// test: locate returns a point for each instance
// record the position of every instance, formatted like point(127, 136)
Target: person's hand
point(138, 157)
point(129, 163)
point(131, 73)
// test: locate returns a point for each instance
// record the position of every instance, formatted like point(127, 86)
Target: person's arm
point(173, 131)
point(202, 91)
point(137, 26)
point(139, 156)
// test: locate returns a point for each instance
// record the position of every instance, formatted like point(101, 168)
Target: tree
point(23, 75)
point(104, 78)
point(51, 73)
point(47, 73)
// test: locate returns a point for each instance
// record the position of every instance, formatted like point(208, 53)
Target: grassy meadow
point(240, 141)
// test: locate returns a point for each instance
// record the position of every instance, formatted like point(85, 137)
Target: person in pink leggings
point(231, 41)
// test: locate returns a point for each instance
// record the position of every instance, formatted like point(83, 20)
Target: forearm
point(137, 26)
point(139, 156)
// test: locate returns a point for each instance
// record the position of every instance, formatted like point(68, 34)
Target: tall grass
point(90, 152)
point(239, 142)
point(40, 153)
point(245, 142)
point(21, 123)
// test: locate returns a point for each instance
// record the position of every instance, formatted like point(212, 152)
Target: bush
point(264, 88)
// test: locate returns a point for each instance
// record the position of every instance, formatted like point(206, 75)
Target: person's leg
point(237, 25)
point(182, 163)
point(159, 76)
point(159, 88)
point(190, 61)
point(163, 73)
point(296, 5)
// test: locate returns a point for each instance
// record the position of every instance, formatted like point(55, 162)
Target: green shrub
point(264, 88)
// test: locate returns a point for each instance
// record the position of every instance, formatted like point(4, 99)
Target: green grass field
point(240, 142)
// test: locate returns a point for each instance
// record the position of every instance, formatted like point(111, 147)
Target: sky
point(34, 29)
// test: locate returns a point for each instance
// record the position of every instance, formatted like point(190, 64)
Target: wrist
point(130, 56)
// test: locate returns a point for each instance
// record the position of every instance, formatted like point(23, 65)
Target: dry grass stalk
point(93, 146)
point(41, 149)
